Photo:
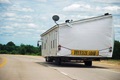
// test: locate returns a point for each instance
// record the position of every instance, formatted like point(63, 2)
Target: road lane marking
point(63, 73)
point(4, 61)
point(66, 75)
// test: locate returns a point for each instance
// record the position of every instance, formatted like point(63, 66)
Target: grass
point(112, 61)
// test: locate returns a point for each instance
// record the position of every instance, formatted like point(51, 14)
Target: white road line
point(67, 75)
point(64, 73)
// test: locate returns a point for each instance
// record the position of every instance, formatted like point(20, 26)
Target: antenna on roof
point(55, 18)
point(68, 22)
point(106, 14)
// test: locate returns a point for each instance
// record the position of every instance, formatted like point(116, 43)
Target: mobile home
point(85, 40)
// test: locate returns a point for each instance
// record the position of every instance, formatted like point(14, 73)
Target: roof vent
point(106, 14)
point(67, 21)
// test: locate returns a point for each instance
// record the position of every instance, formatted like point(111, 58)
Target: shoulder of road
point(111, 64)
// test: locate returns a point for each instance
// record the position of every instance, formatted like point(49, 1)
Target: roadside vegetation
point(11, 48)
point(116, 51)
point(112, 61)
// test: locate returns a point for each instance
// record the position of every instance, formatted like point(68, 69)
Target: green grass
point(112, 61)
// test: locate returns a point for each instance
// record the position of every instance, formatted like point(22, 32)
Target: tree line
point(11, 48)
point(116, 51)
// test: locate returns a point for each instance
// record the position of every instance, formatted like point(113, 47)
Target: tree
point(1, 46)
point(3, 49)
point(116, 51)
point(22, 49)
point(10, 44)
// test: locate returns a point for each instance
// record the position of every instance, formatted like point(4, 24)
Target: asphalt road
point(19, 67)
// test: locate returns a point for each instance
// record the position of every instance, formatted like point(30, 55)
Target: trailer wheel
point(48, 59)
point(58, 61)
point(88, 63)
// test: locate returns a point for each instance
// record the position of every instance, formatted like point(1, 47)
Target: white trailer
point(86, 40)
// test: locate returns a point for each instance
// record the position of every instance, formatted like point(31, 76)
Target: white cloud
point(26, 9)
point(11, 19)
point(17, 17)
point(22, 33)
point(9, 14)
point(17, 7)
point(15, 24)
point(42, 0)
point(107, 1)
point(91, 8)
point(6, 30)
point(112, 8)
point(27, 16)
point(40, 31)
point(25, 26)
point(32, 25)
point(22, 9)
point(77, 7)
point(44, 18)
point(71, 7)
point(7, 27)
point(5, 1)
point(108, 8)
point(117, 26)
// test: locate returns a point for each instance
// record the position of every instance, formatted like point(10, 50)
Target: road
point(19, 67)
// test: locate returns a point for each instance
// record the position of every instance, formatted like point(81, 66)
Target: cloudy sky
point(22, 21)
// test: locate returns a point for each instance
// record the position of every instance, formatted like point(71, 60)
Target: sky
point(22, 21)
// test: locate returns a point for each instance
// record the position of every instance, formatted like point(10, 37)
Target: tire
point(88, 63)
point(48, 59)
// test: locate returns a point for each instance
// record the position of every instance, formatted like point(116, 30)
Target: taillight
point(110, 49)
point(59, 47)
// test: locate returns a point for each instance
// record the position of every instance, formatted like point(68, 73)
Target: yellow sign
point(85, 52)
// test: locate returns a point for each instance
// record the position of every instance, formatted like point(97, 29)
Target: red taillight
point(110, 49)
point(59, 47)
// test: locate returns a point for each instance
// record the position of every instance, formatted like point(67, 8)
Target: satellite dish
point(55, 18)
